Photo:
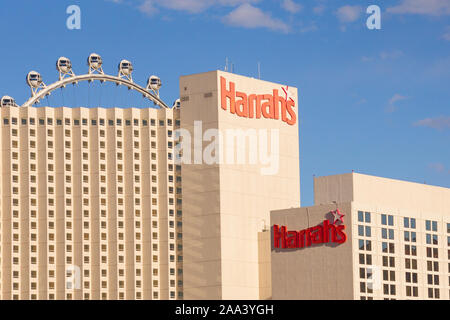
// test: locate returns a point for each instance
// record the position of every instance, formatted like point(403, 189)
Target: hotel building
point(100, 203)
point(227, 204)
point(91, 198)
point(91, 204)
point(397, 245)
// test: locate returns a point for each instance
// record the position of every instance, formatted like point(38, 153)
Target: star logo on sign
point(286, 91)
point(338, 216)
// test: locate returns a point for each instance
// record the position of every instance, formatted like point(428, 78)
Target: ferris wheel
point(40, 90)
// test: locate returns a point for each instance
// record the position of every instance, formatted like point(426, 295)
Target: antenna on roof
point(226, 64)
point(259, 70)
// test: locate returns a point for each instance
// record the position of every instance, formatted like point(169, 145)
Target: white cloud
point(347, 13)
point(291, 6)
point(391, 54)
point(308, 28)
point(234, 2)
point(383, 55)
point(366, 59)
point(397, 97)
point(446, 35)
point(319, 9)
point(439, 67)
point(426, 7)
point(361, 101)
point(244, 13)
point(439, 123)
point(190, 6)
point(248, 16)
point(438, 167)
point(391, 107)
point(148, 8)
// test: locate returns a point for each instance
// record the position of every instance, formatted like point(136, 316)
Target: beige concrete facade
point(226, 204)
point(398, 244)
point(91, 197)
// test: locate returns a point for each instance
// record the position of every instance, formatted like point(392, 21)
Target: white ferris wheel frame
point(65, 78)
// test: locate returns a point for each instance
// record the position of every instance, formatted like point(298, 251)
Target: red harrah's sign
point(270, 106)
point(316, 235)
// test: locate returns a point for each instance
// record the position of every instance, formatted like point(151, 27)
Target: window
point(433, 293)
point(434, 226)
point(364, 216)
point(388, 261)
point(407, 236)
point(409, 223)
point(364, 230)
point(387, 220)
point(388, 275)
point(410, 250)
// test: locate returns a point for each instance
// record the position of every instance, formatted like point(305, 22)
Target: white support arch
point(91, 77)
point(66, 76)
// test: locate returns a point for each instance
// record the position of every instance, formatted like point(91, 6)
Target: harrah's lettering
point(305, 238)
point(270, 106)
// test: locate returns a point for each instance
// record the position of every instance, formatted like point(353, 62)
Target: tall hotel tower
point(227, 204)
point(90, 204)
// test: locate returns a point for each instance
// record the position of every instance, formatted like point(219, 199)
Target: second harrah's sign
point(270, 106)
point(321, 234)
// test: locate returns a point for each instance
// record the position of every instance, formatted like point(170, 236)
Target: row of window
point(388, 220)
point(84, 145)
point(84, 122)
point(67, 133)
point(120, 213)
point(104, 296)
point(15, 178)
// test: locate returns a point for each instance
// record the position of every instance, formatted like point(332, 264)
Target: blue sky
point(373, 101)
